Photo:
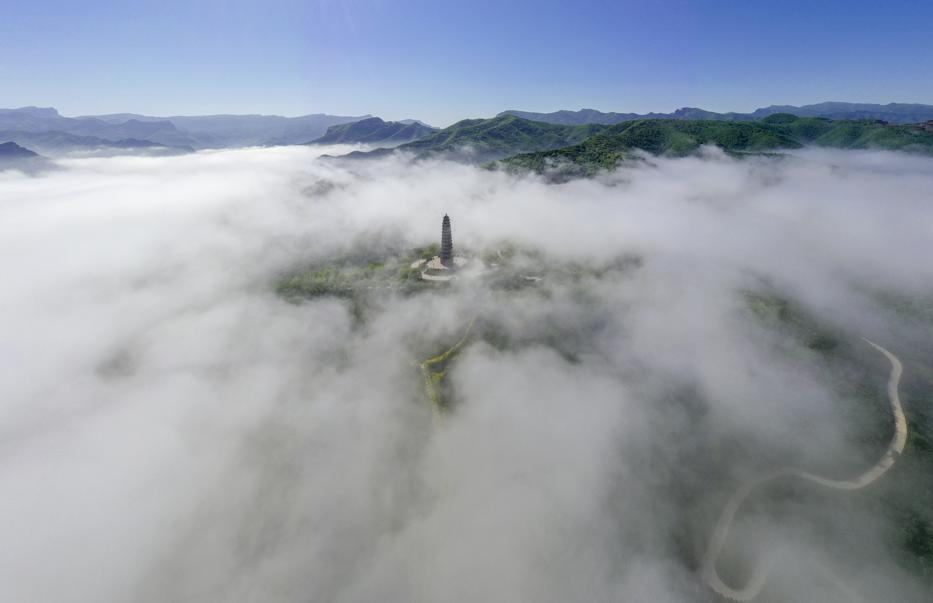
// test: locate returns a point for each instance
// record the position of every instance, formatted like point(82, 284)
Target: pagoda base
point(434, 270)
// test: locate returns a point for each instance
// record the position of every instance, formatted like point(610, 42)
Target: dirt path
point(760, 574)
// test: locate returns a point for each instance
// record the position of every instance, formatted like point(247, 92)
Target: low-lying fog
point(172, 430)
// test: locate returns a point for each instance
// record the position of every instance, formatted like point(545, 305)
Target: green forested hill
point(681, 137)
point(854, 134)
point(499, 137)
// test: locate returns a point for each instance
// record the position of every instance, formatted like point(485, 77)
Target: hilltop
point(375, 131)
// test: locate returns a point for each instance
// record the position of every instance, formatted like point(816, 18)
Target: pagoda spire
point(447, 243)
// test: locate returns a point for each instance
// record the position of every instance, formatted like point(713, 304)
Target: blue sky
point(445, 60)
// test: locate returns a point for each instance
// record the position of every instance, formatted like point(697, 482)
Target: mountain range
point(896, 113)
point(45, 130)
point(522, 144)
point(511, 133)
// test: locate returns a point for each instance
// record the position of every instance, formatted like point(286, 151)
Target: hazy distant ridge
point(178, 132)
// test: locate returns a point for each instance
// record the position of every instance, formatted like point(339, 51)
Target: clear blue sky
point(442, 60)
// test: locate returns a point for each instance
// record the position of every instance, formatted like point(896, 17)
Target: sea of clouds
point(172, 430)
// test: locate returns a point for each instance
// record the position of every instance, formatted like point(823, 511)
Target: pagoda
point(447, 243)
point(442, 267)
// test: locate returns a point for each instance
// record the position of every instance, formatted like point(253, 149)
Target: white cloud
point(171, 430)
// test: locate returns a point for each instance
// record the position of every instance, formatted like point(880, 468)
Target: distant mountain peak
point(371, 120)
point(409, 122)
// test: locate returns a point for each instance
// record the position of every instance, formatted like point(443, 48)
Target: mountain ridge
point(374, 130)
point(898, 113)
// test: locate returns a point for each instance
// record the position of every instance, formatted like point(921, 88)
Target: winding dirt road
point(429, 380)
point(760, 574)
